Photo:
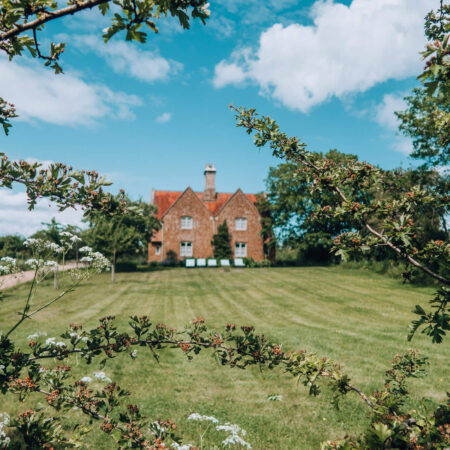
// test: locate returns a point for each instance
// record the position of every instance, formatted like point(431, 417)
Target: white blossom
point(7, 265)
point(34, 263)
point(50, 341)
point(36, 335)
point(205, 9)
point(51, 264)
point(4, 422)
point(234, 439)
point(102, 377)
point(85, 249)
point(196, 416)
point(86, 379)
point(275, 398)
point(181, 447)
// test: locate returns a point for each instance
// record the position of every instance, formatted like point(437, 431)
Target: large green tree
point(427, 118)
point(292, 204)
point(122, 235)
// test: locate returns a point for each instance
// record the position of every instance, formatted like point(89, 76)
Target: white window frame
point(240, 249)
point(240, 224)
point(186, 249)
point(186, 223)
point(157, 249)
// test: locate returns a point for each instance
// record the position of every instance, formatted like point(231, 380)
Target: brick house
point(190, 219)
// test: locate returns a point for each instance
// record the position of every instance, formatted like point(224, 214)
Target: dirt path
point(7, 281)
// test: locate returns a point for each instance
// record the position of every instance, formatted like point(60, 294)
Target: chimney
point(209, 194)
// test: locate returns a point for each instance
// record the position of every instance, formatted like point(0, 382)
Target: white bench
point(190, 262)
point(201, 262)
point(212, 263)
point(239, 262)
point(225, 262)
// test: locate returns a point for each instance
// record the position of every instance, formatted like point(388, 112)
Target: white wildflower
point(196, 416)
point(275, 398)
point(230, 428)
point(50, 341)
point(7, 265)
point(86, 380)
point(102, 377)
point(36, 335)
point(4, 422)
point(30, 242)
point(85, 249)
point(34, 263)
point(54, 247)
point(51, 264)
point(133, 354)
point(86, 259)
point(181, 447)
point(234, 439)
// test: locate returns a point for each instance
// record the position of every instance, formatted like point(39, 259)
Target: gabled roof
point(163, 200)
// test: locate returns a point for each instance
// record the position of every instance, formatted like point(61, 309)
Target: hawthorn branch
point(151, 343)
point(47, 16)
point(301, 158)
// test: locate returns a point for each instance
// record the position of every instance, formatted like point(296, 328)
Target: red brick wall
point(240, 206)
point(200, 235)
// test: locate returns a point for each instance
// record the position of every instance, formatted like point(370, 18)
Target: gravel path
point(7, 281)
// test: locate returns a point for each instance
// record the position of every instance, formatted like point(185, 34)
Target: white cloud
point(16, 219)
point(229, 73)
point(164, 117)
point(125, 58)
point(385, 110)
point(60, 99)
point(384, 116)
point(348, 49)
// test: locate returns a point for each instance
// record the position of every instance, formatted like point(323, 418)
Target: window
point(240, 249)
point(186, 249)
point(241, 223)
point(186, 223)
point(157, 249)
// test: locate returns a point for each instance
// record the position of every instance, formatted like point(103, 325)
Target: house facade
point(190, 219)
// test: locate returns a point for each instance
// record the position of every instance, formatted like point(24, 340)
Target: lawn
point(357, 318)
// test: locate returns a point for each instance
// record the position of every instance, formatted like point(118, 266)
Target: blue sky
point(151, 116)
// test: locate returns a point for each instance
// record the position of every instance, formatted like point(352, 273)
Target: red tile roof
point(163, 200)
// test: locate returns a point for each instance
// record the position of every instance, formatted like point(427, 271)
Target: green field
point(357, 318)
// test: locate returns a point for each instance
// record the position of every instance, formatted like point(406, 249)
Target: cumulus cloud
point(347, 49)
point(384, 116)
point(164, 117)
point(60, 99)
point(125, 58)
point(16, 219)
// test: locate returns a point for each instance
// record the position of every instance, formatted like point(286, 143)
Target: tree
point(22, 22)
point(121, 235)
point(292, 203)
point(267, 232)
point(427, 119)
point(221, 242)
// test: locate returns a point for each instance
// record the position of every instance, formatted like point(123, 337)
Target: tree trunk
point(113, 268)
point(55, 278)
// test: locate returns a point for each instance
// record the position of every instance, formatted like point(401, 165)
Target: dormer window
point(186, 223)
point(240, 223)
